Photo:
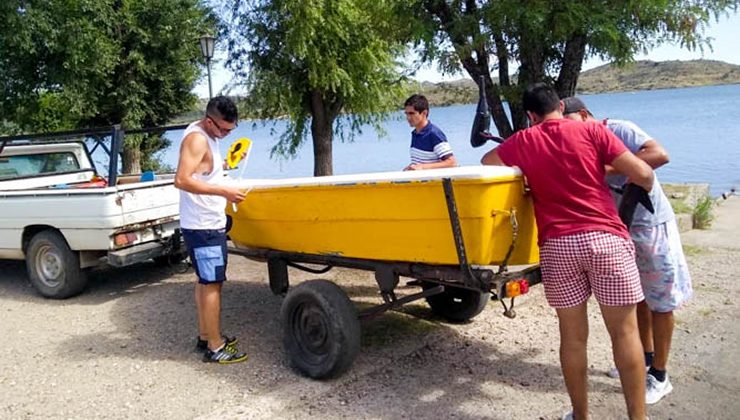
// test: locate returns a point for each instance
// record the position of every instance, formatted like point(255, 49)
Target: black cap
point(573, 104)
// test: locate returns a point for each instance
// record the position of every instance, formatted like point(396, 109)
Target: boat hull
point(391, 216)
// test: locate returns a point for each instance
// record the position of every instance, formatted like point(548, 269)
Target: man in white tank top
point(203, 199)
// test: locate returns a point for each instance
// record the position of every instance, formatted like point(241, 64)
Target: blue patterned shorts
point(208, 253)
point(664, 273)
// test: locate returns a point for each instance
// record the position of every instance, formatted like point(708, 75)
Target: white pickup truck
point(60, 215)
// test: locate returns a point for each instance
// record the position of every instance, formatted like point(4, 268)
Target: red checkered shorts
point(574, 266)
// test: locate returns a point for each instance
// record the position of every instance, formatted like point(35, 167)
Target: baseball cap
point(573, 104)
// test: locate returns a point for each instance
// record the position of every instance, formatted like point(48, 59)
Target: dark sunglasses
point(221, 129)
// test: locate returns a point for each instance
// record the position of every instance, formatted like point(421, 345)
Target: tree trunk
point(322, 122)
point(473, 55)
point(131, 160)
point(575, 51)
point(531, 70)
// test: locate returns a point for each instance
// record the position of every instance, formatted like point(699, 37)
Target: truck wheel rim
point(49, 266)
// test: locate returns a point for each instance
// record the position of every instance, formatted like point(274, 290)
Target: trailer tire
point(321, 329)
point(53, 268)
point(457, 304)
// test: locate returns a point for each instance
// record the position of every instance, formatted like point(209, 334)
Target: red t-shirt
point(563, 161)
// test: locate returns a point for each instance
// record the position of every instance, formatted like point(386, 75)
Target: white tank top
point(201, 211)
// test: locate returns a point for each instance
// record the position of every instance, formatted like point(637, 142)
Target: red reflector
point(523, 286)
point(120, 239)
point(125, 238)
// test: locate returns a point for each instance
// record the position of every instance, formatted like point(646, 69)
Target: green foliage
point(680, 207)
point(549, 40)
point(49, 51)
point(314, 60)
point(78, 63)
point(703, 214)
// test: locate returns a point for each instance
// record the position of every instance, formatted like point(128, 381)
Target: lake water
point(696, 125)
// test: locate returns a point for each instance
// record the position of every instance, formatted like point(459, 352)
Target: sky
point(725, 34)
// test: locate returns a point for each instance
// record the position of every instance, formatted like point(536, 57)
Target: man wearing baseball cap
point(664, 274)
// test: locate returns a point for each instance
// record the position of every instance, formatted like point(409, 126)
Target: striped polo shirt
point(429, 145)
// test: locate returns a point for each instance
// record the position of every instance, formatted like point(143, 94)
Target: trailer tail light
point(123, 239)
point(523, 286)
point(515, 288)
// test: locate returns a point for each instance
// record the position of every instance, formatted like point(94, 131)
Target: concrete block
point(689, 194)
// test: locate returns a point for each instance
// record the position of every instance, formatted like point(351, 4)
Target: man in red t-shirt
point(584, 246)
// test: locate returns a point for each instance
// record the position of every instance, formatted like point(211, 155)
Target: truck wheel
point(321, 329)
point(54, 269)
point(457, 304)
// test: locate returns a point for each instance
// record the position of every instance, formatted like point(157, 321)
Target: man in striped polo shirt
point(429, 146)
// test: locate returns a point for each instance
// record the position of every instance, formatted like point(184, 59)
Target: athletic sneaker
point(655, 390)
point(202, 345)
point(225, 355)
point(568, 416)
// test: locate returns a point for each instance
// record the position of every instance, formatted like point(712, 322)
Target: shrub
point(703, 213)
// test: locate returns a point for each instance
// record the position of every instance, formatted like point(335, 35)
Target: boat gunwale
point(379, 179)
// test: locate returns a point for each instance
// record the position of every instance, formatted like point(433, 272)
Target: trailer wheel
point(54, 269)
point(455, 303)
point(321, 329)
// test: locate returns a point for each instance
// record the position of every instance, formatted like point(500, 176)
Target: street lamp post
point(207, 43)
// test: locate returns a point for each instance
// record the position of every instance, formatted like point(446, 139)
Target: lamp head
point(207, 44)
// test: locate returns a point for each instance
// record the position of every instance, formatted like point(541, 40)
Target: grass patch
point(703, 213)
point(690, 250)
point(680, 206)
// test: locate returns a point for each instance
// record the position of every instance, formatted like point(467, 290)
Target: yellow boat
point(391, 216)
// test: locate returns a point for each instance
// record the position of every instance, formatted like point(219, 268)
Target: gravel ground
point(125, 349)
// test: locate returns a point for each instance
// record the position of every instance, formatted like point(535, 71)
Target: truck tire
point(457, 304)
point(321, 329)
point(54, 269)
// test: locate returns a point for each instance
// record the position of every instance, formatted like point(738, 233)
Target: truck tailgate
point(145, 201)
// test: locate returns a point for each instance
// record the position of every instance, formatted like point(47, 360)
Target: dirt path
point(124, 349)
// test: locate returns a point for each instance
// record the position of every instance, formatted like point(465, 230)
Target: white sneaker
point(655, 390)
point(613, 373)
point(568, 416)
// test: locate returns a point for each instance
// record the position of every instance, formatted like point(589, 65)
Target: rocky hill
point(647, 75)
point(640, 75)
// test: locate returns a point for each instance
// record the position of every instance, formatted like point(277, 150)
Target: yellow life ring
point(237, 151)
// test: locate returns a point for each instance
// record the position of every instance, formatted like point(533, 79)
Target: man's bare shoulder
point(194, 141)
point(195, 136)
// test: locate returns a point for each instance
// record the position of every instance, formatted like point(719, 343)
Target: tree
point(79, 63)
point(549, 40)
point(326, 65)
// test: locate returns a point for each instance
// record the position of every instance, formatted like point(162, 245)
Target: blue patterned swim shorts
point(664, 273)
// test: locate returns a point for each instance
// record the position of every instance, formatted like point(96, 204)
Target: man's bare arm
point(492, 158)
point(449, 162)
point(637, 171)
point(653, 154)
point(194, 147)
